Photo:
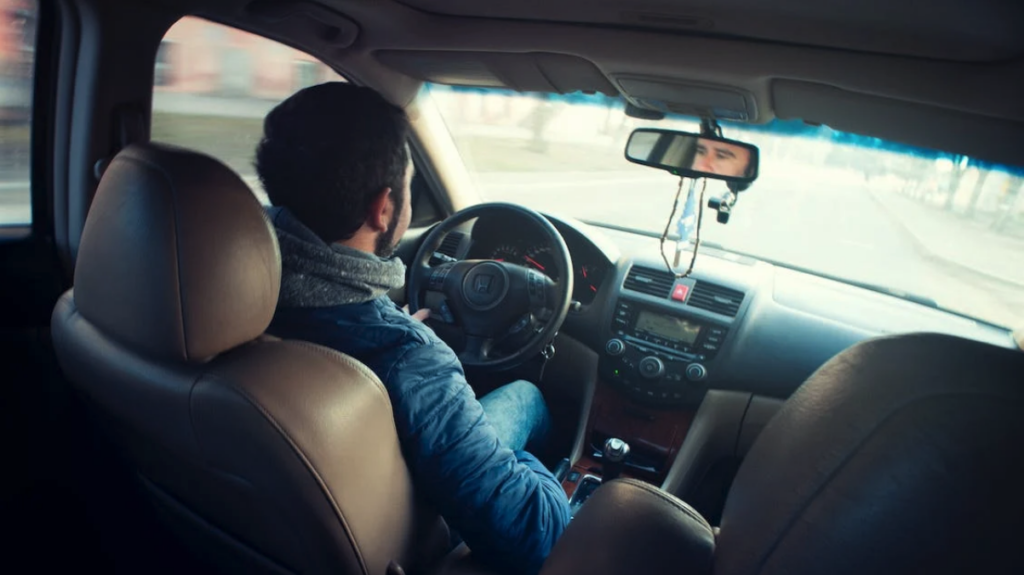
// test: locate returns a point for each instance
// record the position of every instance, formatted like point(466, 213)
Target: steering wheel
point(507, 312)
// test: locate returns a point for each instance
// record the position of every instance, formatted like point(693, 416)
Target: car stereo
point(659, 357)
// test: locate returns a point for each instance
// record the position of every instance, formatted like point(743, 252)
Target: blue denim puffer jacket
point(506, 505)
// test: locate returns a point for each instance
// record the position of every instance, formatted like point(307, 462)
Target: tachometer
point(506, 253)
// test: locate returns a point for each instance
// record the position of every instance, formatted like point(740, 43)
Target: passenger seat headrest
point(177, 259)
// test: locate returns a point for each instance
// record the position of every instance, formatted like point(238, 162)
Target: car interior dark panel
point(757, 272)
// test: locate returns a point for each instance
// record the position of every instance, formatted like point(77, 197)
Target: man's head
point(721, 158)
point(336, 156)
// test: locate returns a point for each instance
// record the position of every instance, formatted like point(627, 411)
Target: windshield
point(918, 223)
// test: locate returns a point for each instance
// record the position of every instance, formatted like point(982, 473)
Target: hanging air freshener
point(687, 223)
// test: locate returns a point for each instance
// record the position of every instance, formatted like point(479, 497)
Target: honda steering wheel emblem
point(482, 284)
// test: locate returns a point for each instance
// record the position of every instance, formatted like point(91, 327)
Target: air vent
point(649, 281)
point(449, 247)
point(716, 298)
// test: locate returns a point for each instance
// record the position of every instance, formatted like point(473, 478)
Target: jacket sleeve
point(508, 508)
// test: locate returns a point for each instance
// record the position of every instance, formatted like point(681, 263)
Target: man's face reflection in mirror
point(721, 158)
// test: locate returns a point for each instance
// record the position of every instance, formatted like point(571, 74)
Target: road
point(830, 224)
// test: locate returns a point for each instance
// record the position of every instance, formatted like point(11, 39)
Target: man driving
point(336, 166)
point(721, 158)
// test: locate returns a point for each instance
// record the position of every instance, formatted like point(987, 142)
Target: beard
point(385, 245)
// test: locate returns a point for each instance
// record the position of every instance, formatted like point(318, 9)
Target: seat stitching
point(346, 360)
point(684, 507)
point(177, 242)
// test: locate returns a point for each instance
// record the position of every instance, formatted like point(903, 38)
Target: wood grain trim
point(652, 431)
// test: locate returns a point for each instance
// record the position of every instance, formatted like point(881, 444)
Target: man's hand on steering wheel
point(507, 312)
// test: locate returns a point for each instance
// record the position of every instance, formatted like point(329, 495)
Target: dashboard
point(724, 347)
point(734, 324)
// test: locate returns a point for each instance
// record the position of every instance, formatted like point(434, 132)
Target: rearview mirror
point(694, 156)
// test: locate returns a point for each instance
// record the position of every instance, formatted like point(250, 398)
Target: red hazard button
point(680, 291)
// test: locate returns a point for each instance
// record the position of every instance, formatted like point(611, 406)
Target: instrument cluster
point(588, 273)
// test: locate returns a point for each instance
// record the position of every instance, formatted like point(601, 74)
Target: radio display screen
point(667, 327)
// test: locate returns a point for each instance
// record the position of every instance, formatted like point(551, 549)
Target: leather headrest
point(177, 258)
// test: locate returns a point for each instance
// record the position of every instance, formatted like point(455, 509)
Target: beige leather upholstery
point(628, 526)
point(268, 456)
point(176, 257)
point(900, 455)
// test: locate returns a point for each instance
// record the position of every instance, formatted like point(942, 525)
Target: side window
point(18, 20)
point(214, 84)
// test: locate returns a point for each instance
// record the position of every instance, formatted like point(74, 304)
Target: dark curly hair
point(328, 150)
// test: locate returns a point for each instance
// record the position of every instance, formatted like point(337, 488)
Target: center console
point(657, 357)
point(652, 377)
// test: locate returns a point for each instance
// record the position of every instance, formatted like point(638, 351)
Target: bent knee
point(526, 390)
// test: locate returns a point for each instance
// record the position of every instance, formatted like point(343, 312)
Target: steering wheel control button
point(696, 372)
point(520, 325)
point(614, 347)
point(535, 288)
point(651, 367)
point(485, 286)
point(680, 292)
point(445, 313)
point(437, 276)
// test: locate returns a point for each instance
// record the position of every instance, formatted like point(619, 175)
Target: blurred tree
point(984, 169)
point(538, 121)
point(1007, 213)
point(960, 163)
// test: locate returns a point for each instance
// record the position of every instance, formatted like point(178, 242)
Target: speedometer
point(506, 253)
point(540, 258)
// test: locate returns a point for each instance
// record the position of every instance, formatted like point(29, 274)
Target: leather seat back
point(266, 455)
point(900, 455)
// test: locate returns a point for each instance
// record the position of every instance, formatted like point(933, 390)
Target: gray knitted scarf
point(317, 274)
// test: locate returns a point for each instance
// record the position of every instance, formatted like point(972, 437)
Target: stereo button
point(614, 347)
point(651, 367)
point(696, 372)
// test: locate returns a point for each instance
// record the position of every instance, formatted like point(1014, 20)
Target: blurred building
point(17, 46)
point(200, 57)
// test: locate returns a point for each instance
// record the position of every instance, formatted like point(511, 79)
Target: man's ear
point(379, 213)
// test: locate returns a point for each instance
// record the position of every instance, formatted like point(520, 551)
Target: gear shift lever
point(615, 453)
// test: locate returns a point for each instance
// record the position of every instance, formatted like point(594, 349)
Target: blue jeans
point(518, 414)
point(520, 418)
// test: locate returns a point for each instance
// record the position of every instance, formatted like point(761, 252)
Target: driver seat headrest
point(177, 258)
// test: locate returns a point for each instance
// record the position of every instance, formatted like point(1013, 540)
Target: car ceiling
point(983, 30)
point(949, 75)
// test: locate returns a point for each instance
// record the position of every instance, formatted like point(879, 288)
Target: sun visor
point(912, 123)
point(333, 28)
point(529, 72)
point(679, 97)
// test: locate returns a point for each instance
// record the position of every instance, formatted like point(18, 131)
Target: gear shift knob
point(615, 453)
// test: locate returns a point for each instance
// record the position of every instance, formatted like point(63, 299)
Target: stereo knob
point(696, 372)
point(614, 347)
point(651, 367)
